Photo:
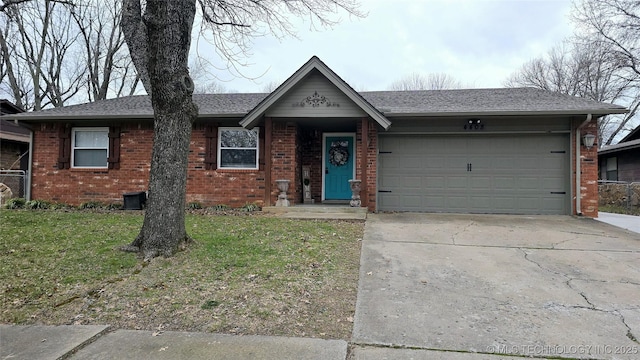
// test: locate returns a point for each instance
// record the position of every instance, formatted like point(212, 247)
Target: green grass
point(244, 273)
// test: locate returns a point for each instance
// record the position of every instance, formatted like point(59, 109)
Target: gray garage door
point(475, 174)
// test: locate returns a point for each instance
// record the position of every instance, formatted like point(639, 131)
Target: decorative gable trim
point(254, 116)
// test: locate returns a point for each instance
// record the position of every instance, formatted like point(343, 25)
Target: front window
point(238, 148)
point(90, 147)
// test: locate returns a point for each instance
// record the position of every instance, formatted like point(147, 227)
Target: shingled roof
point(476, 102)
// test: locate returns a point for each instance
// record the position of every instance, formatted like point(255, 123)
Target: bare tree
point(53, 52)
point(108, 67)
point(205, 82)
point(38, 49)
point(433, 81)
point(616, 25)
point(585, 68)
point(158, 34)
point(270, 86)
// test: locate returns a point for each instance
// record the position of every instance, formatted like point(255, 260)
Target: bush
point(194, 205)
point(37, 204)
point(250, 207)
point(91, 205)
point(15, 203)
point(220, 207)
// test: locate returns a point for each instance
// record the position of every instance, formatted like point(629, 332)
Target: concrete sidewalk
point(97, 343)
point(629, 222)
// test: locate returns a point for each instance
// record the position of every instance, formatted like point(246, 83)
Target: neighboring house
point(621, 162)
point(512, 151)
point(14, 149)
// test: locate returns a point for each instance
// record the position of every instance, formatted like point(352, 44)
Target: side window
point(612, 169)
point(238, 148)
point(89, 147)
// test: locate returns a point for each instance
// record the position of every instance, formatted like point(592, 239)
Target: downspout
point(578, 170)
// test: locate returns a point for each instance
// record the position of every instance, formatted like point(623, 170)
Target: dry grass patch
point(246, 274)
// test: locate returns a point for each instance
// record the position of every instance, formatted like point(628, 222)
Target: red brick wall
point(588, 170)
point(369, 179)
point(311, 145)
point(75, 186)
point(285, 160)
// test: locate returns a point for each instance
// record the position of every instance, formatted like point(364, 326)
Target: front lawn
point(246, 274)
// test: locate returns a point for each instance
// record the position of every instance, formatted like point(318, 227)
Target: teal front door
point(338, 167)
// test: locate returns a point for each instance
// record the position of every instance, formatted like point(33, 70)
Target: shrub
point(37, 204)
point(194, 205)
point(220, 207)
point(15, 203)
point(91, 205)
point(250, 207)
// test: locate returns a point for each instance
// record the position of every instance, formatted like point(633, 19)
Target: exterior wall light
point(588, 139)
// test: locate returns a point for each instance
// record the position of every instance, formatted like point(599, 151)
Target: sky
point(478, 42)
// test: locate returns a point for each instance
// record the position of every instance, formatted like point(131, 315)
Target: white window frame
point(257, 148)
point(74, 148)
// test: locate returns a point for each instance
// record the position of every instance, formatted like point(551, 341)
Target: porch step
point(318, 212)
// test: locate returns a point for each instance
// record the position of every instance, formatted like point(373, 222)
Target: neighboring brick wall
point(10, 152)
point(75, 186)
point(588, 171)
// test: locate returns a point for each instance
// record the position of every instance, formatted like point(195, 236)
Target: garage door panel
point(481, 183)
point(504, 183)
point(434, 183)
point(456, 203)
point(509, 174)
point(457, 183)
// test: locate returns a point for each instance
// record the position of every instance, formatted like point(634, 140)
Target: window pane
point(239, 138)
point(91, 139)
point(90, 158)
point(238, 158)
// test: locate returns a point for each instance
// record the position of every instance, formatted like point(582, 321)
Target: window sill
point(237, 170)
point(89, 169)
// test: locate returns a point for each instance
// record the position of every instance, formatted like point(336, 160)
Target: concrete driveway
point(442, 286)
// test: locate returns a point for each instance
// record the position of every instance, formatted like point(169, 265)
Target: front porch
point(319, 157)
point(318, 211)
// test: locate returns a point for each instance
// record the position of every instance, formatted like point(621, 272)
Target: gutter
point(578, 170)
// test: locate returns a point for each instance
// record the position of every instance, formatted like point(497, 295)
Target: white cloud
point(479, 42)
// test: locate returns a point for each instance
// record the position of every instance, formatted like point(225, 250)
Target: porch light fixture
point(588, 139)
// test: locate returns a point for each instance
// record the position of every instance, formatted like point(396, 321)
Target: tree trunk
point(168, 36)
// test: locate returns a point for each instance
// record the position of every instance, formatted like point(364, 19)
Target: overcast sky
point(479, 42)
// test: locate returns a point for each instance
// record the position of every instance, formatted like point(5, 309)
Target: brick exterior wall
point(588, 170)
point(285, 160)
point(369, 180)
point(76, 186)
point(311, 144)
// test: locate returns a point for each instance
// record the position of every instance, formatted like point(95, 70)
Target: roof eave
point(34, 118)
point(505, 113)
point(619, 148)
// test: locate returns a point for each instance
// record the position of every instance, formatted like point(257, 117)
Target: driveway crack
point(465, 228)
point(591, 305)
